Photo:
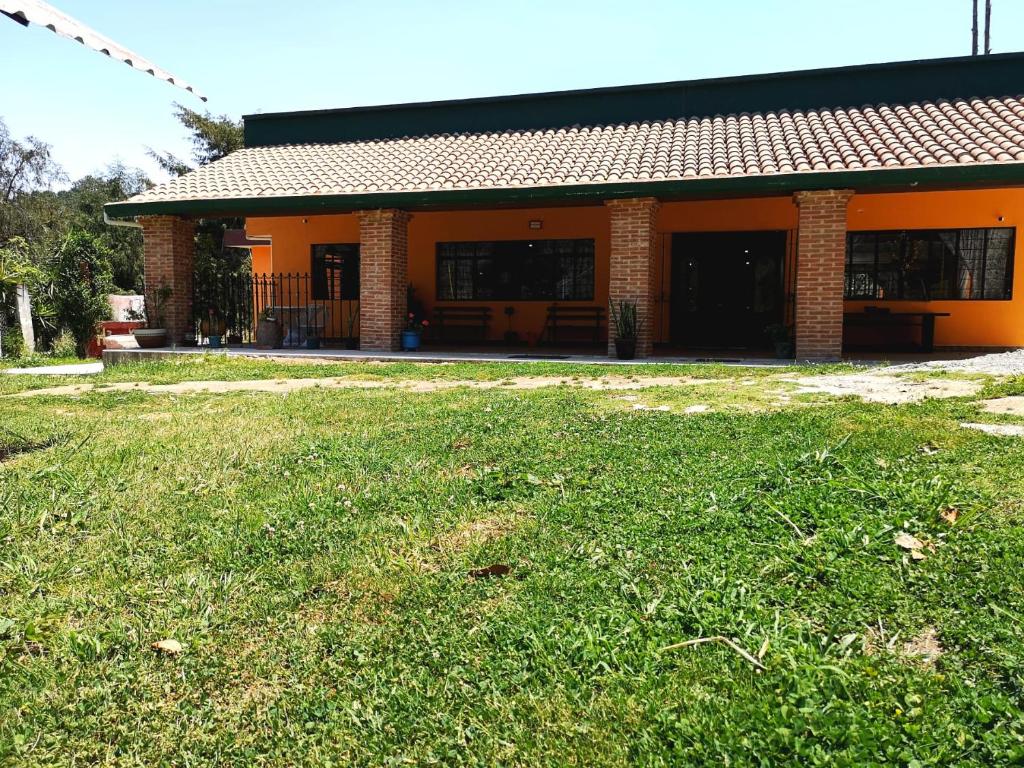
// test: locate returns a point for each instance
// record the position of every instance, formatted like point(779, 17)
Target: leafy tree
point(82, 205)
point(80, 283)
point(31, 209)
point(27, 167)
point(212, 138)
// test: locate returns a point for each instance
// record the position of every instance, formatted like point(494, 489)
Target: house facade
point(859, 207)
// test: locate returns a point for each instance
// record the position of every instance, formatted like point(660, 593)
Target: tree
point(26, 167)
point(82, 205)
point(212, 138)
point(80, 283)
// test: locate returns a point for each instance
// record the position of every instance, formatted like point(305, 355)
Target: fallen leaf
point(949, 515)
point(917, 554)
point(906, 541)
point(170, 647)
point(491, 570)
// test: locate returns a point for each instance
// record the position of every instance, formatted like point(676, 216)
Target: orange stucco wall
point(261, 259)
point(972, 323)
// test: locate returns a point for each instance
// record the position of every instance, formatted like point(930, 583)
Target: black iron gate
point(305, 310)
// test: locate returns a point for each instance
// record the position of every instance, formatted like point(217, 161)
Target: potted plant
point(781, 339)
point(413, 333)
point(154, 314)
point(626, 321)
point(352, 339)
point(213, 328)
point(268, 330)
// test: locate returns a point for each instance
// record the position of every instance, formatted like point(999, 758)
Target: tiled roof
point(959, 132)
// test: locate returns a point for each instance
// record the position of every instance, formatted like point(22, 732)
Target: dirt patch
point(884, 388)
point(474, 533)
point(1011, 406)
point(924, 647)
point(284, 386)
point(154, 416)
point(1003, 430)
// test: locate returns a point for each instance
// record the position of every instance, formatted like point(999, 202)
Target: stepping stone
point(1012, 405)
point(1003, 430)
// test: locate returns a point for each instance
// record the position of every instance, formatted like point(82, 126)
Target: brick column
point(631, 268)
point(820, 273)
point(168, 248)
point(383, 281)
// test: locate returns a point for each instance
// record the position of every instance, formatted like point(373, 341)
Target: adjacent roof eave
point(873, 180)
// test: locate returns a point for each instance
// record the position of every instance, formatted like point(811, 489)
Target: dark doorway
point(727, 288)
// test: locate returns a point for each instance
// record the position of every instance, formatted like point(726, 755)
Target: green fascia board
point(898, 82)
point(875, 180)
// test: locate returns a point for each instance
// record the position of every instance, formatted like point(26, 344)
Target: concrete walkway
point(75, 369)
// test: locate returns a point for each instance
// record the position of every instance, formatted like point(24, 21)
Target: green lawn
point(312, 553)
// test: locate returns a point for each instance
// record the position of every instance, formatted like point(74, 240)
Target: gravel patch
point(999, 364)
point(883, 388)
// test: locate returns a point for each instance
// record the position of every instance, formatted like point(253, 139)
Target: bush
point(65, 346)
point(12, 343)
point(80, 284)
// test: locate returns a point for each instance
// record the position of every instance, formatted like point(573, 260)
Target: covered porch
point(723, 279)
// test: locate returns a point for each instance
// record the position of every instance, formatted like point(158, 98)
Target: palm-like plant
point(625, 319)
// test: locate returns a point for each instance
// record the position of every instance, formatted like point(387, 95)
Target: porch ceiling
point(927, 144)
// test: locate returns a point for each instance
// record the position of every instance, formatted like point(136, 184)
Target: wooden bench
point(574, 323)
point(875, 317)
point(460, 323)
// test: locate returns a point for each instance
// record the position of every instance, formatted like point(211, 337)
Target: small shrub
point(64, 345)
point(12, 343)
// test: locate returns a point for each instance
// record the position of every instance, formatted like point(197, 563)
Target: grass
point(312, 554)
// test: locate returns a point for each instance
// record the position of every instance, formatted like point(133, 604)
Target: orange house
point(797, 213)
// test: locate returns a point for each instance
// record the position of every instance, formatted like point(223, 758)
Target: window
point(930, 264)
point(335, 271)
point(516, 270)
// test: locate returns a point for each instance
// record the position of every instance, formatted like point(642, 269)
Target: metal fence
point(305, 311)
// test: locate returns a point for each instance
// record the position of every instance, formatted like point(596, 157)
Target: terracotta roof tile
point(958, 132)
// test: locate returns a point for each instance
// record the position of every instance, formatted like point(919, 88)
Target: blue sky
point(253, 56)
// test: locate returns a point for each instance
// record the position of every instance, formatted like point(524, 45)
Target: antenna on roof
point(974, 27)
point(988, 27)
